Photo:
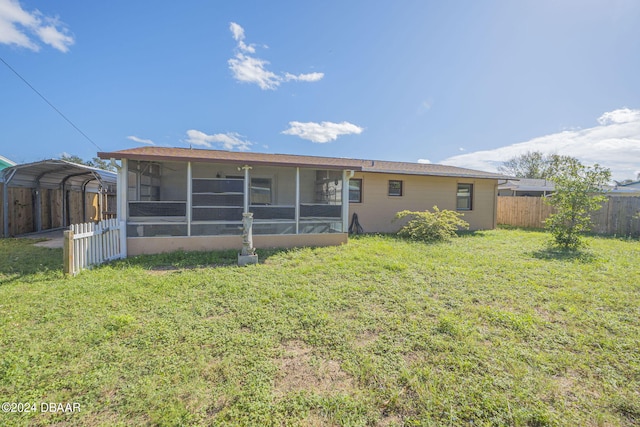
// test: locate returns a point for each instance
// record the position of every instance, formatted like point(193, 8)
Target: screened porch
point(208, 199)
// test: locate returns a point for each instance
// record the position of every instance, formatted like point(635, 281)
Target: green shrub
point(439, 225)
point(578, 193)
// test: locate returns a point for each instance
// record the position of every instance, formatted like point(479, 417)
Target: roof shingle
point(377, 166)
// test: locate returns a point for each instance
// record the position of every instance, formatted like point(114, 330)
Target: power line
point(50, 104)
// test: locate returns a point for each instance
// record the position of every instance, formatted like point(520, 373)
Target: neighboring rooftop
point(5, 163)
point(379, 166)
point(634, 184)
point(528, 184)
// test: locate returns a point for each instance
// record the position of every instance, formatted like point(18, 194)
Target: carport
point(54, 193)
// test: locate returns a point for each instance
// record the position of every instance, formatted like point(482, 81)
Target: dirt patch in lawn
point(366, 339)
point(301, 370)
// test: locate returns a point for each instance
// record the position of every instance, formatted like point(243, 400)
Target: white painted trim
point(123, 206)
point(345, 198)
point(189, 198)
point(247, 187)
point(297, 214)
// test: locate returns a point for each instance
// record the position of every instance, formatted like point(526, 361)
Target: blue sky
point(468, 83)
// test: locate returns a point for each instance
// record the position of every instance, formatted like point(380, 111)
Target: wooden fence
point(89, 244)
point(23, 212)
point(619, 215)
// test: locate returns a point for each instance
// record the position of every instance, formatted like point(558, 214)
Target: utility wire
point(50, 104)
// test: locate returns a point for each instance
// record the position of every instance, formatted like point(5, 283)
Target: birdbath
point(248, 254)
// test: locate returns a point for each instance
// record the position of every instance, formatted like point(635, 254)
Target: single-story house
point(526, 187)
point(193, 199)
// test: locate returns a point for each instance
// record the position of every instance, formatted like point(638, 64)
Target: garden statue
point(248, 254)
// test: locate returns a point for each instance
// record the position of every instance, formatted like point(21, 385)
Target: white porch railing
point(89, 244)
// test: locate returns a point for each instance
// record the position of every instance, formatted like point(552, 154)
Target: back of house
point(192, 199)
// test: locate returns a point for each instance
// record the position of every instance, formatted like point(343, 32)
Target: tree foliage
point(534, 164)
point(439, 225)
point(96, 162)
point(578, 193)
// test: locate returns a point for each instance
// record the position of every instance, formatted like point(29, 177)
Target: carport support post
point(5, 210)
point(67, 252)
point(5, 200)
point(38, 210)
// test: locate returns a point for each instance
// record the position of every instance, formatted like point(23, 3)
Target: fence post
point(67, 252)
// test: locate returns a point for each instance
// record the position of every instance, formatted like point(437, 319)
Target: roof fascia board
point(419, 173)
point(196, 159)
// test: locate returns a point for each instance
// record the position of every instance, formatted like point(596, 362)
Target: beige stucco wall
point(154, 245)
point(378, 209)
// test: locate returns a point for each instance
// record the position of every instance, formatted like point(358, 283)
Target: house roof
point(5, 163)
point(528, 184)
point(623, 190)
point(52, 173)
point(635, 184)
point(379, 166)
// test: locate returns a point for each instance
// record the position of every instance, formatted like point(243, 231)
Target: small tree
point(439, 225)
point(578, 193)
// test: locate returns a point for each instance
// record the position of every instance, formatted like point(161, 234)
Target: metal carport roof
point(53, 174)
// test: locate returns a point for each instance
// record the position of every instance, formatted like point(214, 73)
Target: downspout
point(495, 204)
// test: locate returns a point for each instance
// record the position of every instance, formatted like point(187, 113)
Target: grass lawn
point(491, 329)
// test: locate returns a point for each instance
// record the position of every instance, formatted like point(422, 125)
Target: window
point(355, 191)
point(464, 197)
point(395, 188)
point(261, 191)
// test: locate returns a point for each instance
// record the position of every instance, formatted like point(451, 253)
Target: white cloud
point(140, 140)
point(623, 115)
point(238, 35)
point(228, 141)
point(249, 69)
point(614, 143)
point(237, 31)
point(19, 27)
point(311, 77)
point(424, 161)
point(321, 132)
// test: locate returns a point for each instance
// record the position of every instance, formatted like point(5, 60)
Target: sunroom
point(198, 204)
